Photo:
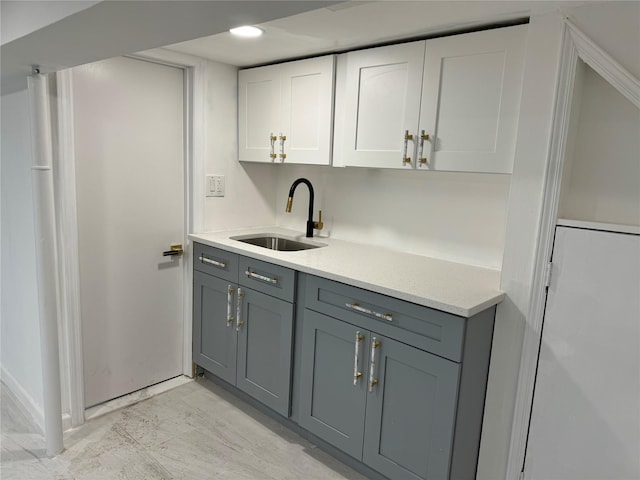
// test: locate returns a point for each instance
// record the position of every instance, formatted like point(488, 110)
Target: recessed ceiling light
point(246, 31)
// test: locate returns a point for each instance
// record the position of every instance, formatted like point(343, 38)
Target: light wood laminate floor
point(195, 431)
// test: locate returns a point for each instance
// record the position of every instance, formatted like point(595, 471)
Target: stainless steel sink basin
point(275, 242)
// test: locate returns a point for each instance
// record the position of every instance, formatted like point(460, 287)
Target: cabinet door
point(307, 110)
point(381, 102)
point(471, 98)
point(331, 406)
point(410, 412)
point(258, 113)
point(265, 343)
point(214, 338)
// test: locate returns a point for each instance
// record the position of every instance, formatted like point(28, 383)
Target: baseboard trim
point(135, 397)
point(25, 400)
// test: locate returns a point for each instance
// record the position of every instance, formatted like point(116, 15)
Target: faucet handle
point(318, 225)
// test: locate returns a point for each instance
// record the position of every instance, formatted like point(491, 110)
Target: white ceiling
point(355, 24)
point(56, 34)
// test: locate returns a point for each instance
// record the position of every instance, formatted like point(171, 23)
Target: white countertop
point(448, 286)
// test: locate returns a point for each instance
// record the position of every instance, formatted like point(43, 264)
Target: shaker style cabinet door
point(265, 337)
point(307, 110)
point(258, 113)
point(381, 102)
point(285, 112)
point(411, 411)
point(214, 336)
point(331, 405)
point(471, 100)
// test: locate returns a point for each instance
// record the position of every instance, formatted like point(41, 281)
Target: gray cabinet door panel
point(331, 406)
point(214, 340)
point(265, 349)
point(410, 413)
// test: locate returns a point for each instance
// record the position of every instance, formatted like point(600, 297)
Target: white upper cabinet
point(259, 112)
point(471, 100)
point(286, 111)
point(449, 103)
point(381, 103)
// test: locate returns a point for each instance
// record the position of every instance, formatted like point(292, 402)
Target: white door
point(585, 422)
point(471, 98)
point(128, 124)
point(381, 103)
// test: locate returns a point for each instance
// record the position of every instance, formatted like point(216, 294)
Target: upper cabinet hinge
point(547, 274)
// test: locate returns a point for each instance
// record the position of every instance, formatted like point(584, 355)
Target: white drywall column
point(544, 40)
point(45, 235)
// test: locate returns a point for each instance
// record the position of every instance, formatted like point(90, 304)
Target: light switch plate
point(214, 186)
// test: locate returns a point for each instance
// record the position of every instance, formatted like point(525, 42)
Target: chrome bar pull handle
point(373, 313)
point(211, 261)
point(257, 276)
point(230, 292)
point(422, 160)
point(375, 344)
point(239, 298)
point(356, 362)
point(272, 140)
point(406, 159)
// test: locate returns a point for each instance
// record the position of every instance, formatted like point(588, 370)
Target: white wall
point(614, 25)
point(250, 188)
point(523, 220)
point(20, 331)
point(602, 182)
point(454, 216)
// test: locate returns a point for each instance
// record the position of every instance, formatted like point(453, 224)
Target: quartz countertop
point(455, 288)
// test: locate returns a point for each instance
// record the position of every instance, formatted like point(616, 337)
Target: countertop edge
point(221, 240)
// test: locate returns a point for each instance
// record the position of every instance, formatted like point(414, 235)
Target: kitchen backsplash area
point(459, 217)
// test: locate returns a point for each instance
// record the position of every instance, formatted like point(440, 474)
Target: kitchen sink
point(275, 242)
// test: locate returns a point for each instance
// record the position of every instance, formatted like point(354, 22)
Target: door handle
point(230, 292)
point(239, 321)
point(373, 381)
point(422, 159)
point(356, 362)
point(176, 250)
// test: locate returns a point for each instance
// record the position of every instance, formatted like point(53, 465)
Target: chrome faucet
point(310, 223)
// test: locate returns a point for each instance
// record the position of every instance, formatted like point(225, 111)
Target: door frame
point(576, 46)
point(70, 325)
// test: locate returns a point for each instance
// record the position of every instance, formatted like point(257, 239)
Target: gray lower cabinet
point(263, 366)
point(332, 404)
point(381, 401)
point(397, 386)
point(214, 338)
point(241, 334)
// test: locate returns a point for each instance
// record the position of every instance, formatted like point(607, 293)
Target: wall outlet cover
point(214, 185)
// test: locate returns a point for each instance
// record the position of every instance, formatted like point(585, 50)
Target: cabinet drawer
point(267, 278)
point(216, 262)
point(437, 332)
